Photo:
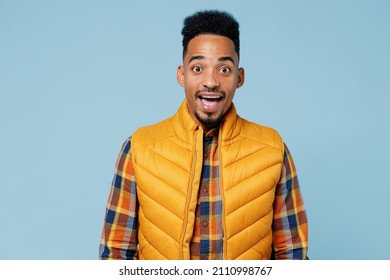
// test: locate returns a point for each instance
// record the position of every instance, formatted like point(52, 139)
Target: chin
point(208, 121)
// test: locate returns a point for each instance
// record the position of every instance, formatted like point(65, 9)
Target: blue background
point(78, 77)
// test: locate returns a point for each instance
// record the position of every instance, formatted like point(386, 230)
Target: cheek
point(190, 89)
point(231, 84)
point(188, 93)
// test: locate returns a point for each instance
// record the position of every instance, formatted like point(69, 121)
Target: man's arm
point(119, 237)
point(290, 228)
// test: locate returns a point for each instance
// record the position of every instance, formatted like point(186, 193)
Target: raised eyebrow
point(196, 57)
point(226, 58)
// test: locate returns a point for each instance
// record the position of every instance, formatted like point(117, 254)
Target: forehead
point(211, 46)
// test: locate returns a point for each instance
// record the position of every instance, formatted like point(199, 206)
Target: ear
point(180, 75)
point(241, 77)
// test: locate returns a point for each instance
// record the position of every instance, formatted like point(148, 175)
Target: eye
point(225, 70)
point(197, 69)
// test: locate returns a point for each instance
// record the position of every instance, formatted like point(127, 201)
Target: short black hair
point(211, 22)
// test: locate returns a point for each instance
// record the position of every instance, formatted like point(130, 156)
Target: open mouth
point(210, 103)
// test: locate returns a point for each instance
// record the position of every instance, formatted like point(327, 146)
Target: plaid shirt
point(119, 236)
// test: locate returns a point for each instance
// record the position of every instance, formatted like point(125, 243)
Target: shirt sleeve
point(290, 227)
point(119, 238)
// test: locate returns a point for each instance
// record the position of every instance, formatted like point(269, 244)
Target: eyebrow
point(196, 57)
point(222, 58)
point(226, 58)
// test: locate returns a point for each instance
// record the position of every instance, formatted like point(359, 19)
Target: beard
point(209, 122)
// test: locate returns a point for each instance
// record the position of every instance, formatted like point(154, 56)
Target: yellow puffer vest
point(167, 160)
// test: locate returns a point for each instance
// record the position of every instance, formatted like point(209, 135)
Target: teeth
point(210, 97)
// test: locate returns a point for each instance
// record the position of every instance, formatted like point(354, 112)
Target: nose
point(210, 80)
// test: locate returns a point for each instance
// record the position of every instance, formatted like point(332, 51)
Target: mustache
point(206, 90)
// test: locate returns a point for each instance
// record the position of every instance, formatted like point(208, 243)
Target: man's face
point(210, 76)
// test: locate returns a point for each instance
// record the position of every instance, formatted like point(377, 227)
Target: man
point(205, 183)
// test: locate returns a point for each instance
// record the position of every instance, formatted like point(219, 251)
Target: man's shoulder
point(261, 133)
point(153, 132)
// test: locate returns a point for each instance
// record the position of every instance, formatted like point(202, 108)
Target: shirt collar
point(211, 133)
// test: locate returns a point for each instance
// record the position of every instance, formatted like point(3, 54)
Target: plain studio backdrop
point(78, 77)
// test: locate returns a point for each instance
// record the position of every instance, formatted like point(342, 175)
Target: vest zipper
point(189, 197)
point(222, 190)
